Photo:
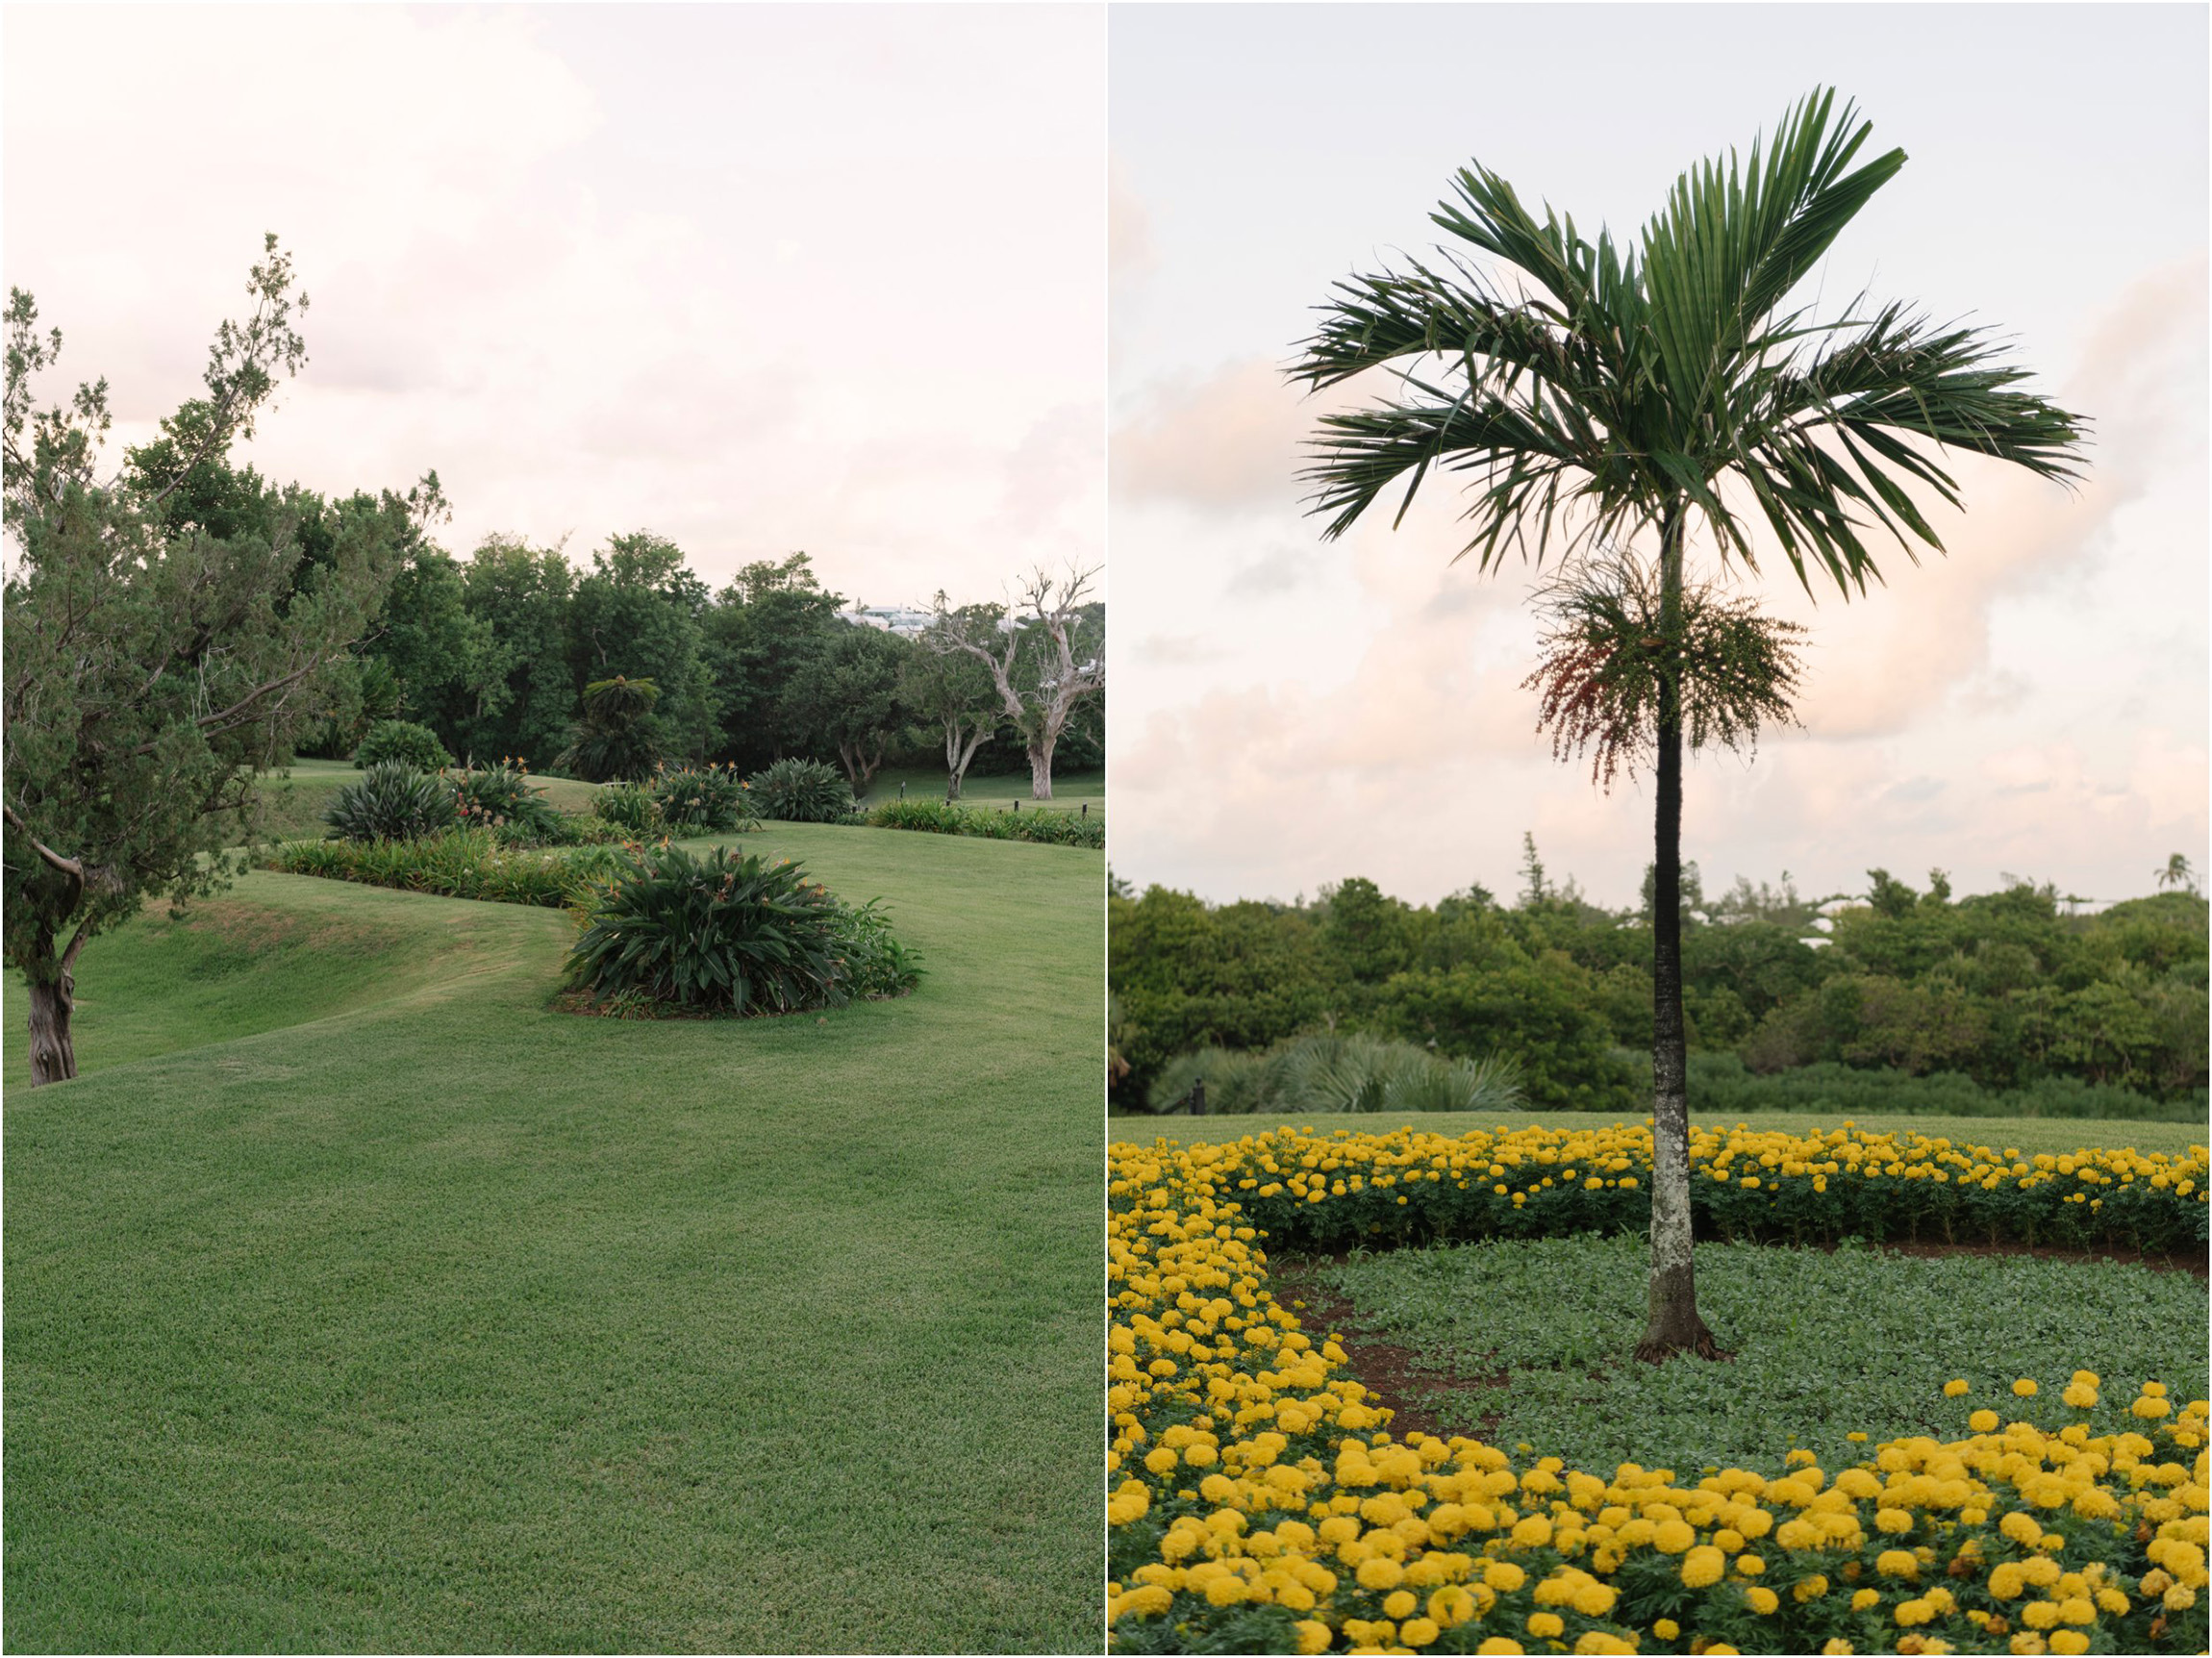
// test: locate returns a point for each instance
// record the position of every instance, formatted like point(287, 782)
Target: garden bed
point(1260, 1501)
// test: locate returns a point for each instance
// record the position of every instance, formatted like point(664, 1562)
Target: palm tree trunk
point(1674, 1325)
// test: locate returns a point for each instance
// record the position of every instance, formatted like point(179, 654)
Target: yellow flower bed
point(1259, 1504)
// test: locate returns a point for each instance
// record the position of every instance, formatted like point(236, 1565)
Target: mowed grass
point(443, 1320)
point(1825, 1343)
point(2030, 1134)
point(1071, 791)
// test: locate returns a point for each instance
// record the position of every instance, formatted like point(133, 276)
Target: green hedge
point(938, 818)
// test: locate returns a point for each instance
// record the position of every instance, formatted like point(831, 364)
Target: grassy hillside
point(296, 802)
point(1070, 789)
point(2030, 1134)
point(355, 1299)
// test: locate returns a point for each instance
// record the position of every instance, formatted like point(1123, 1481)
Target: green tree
point(760, 631)
point(524, 700)
point(639, 616)
point(161, 642)
point(953, 691)
point(618, 739)
point(848, 695)
point(1615, 395)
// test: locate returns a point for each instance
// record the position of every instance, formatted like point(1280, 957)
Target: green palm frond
point(1612, 386)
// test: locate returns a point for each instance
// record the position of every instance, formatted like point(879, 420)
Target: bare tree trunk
point(1040, 767)
point(1673, 1326)
point(53, 1052)
point(959, 753)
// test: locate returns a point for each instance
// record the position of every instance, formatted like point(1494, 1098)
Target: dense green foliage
point(938, 818)
point(494, 653)
point(1312, 1074)
point(620, 738)
point(1543, 1319)
point(628, 806)
point(503, 799)
point(723, 932)
point(458, 863)
point(393, 801)
point(404, 741)
point(801, 792)
point(1998, 1001)
point(698, 799)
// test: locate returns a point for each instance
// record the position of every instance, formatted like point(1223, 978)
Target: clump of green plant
point(502, 798)
point(941, 817)
point(730, 933)
point(392, 801)
point(1330, 1073)
point(459, 863)
point(702, 799)
point(872, 961)
point(801, 792)
point(403, 740)
point(629, 807)
point(618, 738)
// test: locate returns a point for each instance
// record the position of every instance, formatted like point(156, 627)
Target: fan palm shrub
point(392, 801)
point(801, 792)
point(1624, 398)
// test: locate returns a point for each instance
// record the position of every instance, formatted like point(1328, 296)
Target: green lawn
point(1071, 791)
point(355, 1299)
point(1824, 1344)
point(2029, 1134)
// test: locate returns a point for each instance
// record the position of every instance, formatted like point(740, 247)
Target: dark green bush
point(618, 739)
point(404, 740)
point(458, 863)
point(801, 792)
point(392, 801)
point(501, 798)
point(939, 818)
point(729, 933)
point(702, 800)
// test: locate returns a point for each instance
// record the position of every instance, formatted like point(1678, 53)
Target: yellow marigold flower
point(2179, 1597)
point(2039, 1614)
point(2007, 1582)
point(1702, 1565)
point(1672, 1536)
point(1838, 1645)
point(1380, 1572)
point(2024, 1387)
point(1914, 1612)
point(1533, 1532)
point(1594, 1599)
point(1863, 1598)
point(1982, 1421)
point(1147, 1601)
point(1418, 1632)
point(1894, 1520)
point(1761, 1600)
point(1811, 1589)
point(1666, 1628)
point(1451, 1605)
point(2149, 1407)
point(1544, 1626)
point(1399, 1603)
point(1898, 1563)
point(1504, 1576)
point(1314, 1636)
point(2069, 1641)
point(1500, 1643)
point(2021, 1528)
point(2079, 1397)
point(1953, 1388)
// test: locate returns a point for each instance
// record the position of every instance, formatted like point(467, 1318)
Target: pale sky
point(1288, 713)
point(756, 278)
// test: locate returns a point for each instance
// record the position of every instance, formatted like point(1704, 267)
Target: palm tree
point(2177, 873)
point(1616, 393)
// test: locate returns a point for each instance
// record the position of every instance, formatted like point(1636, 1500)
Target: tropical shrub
point(1317, 1074)
point(1258, 1501)
point(702, 799)
point(628, 806)
point(940, 818)
point(873, 962)
point(392, 801)
point(728, 933)
point(801, 792)
point(458, 863)
point(402, 740)
point(618, 738)
point(502, 798)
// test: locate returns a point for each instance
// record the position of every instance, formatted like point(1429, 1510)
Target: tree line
point(2005, 988)
point(494, 653)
